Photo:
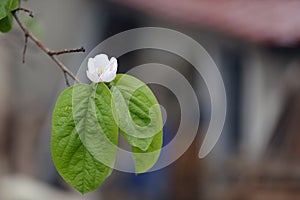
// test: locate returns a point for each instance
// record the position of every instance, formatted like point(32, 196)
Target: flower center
point(100, 71)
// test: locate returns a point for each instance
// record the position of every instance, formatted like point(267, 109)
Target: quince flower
point(101, 69)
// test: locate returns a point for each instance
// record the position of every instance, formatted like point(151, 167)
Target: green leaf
point(138, 112)
point(6, 6)
point(144, 160)
point(6, 23)
point(139, 119)
point(6, 19)
point(84, 135)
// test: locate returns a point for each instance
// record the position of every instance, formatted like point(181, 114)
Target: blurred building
point(256, 47)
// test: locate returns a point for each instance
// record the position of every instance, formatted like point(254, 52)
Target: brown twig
point(67, 51)
point(66, 79)
point(26, 10)
point(52, 54)
point(25, 48)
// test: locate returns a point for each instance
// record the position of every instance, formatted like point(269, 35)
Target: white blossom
point(101, 69)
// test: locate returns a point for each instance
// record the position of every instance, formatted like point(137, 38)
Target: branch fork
point(52, 54)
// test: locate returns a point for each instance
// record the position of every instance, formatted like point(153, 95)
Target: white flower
point(101, 69)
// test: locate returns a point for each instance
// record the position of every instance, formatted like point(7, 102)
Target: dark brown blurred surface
point(187, 179)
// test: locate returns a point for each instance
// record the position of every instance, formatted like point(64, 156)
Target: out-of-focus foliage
point(34, 26)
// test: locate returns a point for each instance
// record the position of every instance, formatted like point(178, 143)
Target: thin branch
point(67, 51)
point(49, 52)
point(26, 10)
point(25, 48)
point(66, 79)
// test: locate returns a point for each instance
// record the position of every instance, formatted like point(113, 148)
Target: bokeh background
point(256, 47)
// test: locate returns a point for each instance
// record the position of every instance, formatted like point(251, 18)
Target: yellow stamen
point(100, 71)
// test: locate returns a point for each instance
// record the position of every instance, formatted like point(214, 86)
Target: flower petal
point(108, 76)
point(113, 65)
point(91, 66)
point(101, 61)
point(93, 77)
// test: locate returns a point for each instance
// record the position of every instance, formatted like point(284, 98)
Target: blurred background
point(256, 47)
